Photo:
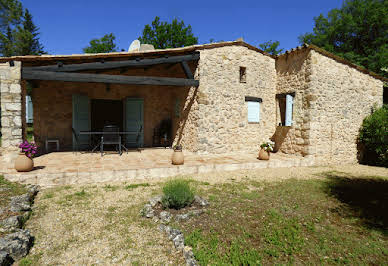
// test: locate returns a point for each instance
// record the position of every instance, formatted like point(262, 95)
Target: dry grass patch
point(97, 224)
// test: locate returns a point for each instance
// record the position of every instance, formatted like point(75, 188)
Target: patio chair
point(78, 142)
point(113, 138)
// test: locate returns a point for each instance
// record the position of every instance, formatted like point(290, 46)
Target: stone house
point(219, 98)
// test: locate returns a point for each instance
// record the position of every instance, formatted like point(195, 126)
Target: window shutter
point(253, 111)
point(29, 114)
point(289, 103)
point(81, 117)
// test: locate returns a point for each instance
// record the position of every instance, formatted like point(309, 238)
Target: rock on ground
point(165, 216)
point(147, 211)
point(5, 259)
point(21, 203)
point(155, 200)
point(11, 223)
point(201, 201)
point(17, 244)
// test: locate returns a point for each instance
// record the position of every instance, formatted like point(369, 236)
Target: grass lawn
point(337, 219)
point(312, 215)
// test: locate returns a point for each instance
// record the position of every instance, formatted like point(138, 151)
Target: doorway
point(106, 112)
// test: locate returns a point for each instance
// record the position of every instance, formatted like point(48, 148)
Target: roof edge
point(334, 57)
point(192, 48)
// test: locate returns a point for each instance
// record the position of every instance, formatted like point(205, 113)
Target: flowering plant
point(267, 146)
point(29, 149)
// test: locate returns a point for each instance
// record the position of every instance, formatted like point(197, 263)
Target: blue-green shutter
point(134, 120)
point(289, 103)
point(253, 112)
point(29, 110)
point(81, 118)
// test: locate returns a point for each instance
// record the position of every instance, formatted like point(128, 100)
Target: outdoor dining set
point(109, 136)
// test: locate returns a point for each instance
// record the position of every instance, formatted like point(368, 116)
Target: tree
point(18, 33)
point(164, 35)
point(373, 136)
point(358, 31)
point(26, 37)
point(106, 44)
point(271, 47)
point(11, 12)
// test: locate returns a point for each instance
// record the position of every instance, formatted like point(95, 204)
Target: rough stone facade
point(331, 98)
point(331, 101)
point(222, 111)
point(344, 97)
point(11, 108)
point(293, 76)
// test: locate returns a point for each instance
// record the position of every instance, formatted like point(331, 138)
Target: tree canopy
point(168, 35)
point(358, 31)
point(271, 47)
point(106, 44)
point(18, 33)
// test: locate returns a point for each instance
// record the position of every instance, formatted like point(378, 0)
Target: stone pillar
point(11, 109)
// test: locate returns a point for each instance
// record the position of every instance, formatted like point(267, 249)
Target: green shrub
point(374, 138)
point(177, 194)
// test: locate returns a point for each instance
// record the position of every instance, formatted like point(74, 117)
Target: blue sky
point(68, 26)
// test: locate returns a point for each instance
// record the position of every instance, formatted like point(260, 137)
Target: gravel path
point(101, 225)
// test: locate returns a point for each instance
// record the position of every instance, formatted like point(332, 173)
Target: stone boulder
point(11, 223)
point(155, 200)
point(189, 256)
point(165, 216)
point(17, 244)
point(21, 203)
point(5, 259)
point(147, 211)
point(33, 190)
point(201, 201)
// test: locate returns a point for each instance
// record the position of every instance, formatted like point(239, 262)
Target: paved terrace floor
point(62, 168)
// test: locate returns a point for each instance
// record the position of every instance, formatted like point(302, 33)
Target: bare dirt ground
point(100, 224)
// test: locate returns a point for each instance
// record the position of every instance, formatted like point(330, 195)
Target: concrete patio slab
point(66, 168)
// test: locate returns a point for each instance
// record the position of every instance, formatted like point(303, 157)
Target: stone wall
point(293, 76)
point(52, 103)
point(11, 108)
point(344, 97)
point(221, 108)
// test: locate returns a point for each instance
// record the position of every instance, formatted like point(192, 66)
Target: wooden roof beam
point(115, 64)
point(103, 78)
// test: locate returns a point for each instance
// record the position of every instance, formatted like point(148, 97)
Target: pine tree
point(26, 37)
point(18, 33)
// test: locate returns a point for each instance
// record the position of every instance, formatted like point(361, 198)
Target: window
point(286, 102)
point(243, 75)
point(253, 105)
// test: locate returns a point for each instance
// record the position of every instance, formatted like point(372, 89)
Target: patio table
point(107, 133)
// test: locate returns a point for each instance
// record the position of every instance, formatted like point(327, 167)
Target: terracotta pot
point(263, 154)
point(23, 163)
point(177, 157)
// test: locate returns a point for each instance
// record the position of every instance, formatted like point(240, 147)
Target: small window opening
point(243, 75)
point(285, 102)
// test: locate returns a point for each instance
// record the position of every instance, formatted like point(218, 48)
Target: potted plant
point(24, 162)
point(177, 155)
point(266, 148)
